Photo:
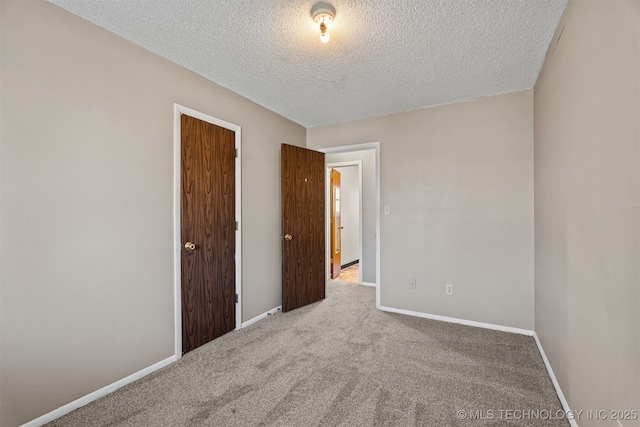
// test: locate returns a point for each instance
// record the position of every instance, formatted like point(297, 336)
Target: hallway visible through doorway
point(350, 274)
point(364, 161)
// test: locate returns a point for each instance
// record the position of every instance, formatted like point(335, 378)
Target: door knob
point(189, 246)
point(288, 237)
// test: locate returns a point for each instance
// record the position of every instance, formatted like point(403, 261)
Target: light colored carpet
point(340, 362)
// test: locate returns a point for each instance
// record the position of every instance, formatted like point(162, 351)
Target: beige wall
point(459, 181)
point(587, 197)
point(87, 205)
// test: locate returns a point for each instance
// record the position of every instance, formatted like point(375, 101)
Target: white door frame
point(329, 196)
point(177, 225)
point(375, 146)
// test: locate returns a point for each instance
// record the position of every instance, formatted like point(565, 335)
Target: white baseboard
point(554, 380)
point(262, 316)
point(63, 410)
point(460, 321)
point(368, 284)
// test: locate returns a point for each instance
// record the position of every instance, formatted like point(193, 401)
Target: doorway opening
point(366, 159)
point(345, 193)
point(234, 217)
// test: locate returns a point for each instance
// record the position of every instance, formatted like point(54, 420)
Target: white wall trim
point(556, 384)
point(368, 284)
point(349, 148)
point(262, 316)
point(328, 233)
point(483, 325)
point(361, 147)
point(63, 410)
point(178, 111)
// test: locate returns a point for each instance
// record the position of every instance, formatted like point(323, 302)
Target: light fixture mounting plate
point(323, 11)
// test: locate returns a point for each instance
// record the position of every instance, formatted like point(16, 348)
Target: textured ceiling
point(384, 55)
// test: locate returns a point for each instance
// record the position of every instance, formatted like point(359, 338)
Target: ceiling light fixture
point(323, 14)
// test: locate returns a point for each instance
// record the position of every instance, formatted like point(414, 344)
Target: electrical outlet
point(412, 283)
point(387, 210)
point(448, 289)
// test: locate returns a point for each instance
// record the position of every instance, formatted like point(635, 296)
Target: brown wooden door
point(336, 224)
point(303, 222)
point(208, 222)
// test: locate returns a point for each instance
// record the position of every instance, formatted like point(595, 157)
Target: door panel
point(303, 226)
point(208, 221)
point(336, 224)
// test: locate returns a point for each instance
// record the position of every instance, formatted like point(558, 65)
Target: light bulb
point(324, 33)
point(323, 14)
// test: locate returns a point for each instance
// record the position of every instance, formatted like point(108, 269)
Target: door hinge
point(236, 298)
point(236, 225)
point(236, 153)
